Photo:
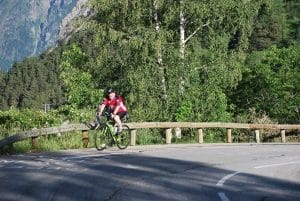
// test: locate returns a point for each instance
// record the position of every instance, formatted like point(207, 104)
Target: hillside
point(201, 61)
point(29, 27)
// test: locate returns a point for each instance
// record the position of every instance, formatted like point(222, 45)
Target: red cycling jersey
point(112, 104)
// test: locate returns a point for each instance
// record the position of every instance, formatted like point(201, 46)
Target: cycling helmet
point(110, 91)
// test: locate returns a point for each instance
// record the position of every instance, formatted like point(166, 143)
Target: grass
point(69, 140)
point(150, 136)
point(187, 136)
point(73, 140)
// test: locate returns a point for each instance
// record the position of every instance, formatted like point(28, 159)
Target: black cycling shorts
point(122, 114)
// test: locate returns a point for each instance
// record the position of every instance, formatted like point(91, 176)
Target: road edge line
point(223, 180)
point(223, 196)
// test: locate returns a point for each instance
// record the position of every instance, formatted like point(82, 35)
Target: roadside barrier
point(168, 126)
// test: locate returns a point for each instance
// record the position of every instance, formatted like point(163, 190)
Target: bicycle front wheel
point(102, 138)
point(123, 138)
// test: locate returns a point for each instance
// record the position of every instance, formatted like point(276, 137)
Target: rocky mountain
point(29, 27)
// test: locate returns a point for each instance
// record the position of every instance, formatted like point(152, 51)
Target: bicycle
point(106, 134)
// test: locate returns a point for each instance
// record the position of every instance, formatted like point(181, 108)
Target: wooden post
point(35, 142)
point(282, 136)
point(169, 136)
point(85, 138)
point(132, 137)
point(200, 136)
point(257, 136)
point(229, 138)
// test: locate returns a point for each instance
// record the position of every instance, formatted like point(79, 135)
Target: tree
point(157, 21)
point(2, 86)
point(292, 10)
point(270, 26)
point(30, 83)
point(271, 84)
point(213, 37)
point(78, 82)
point(201, 44)
point(171, 60)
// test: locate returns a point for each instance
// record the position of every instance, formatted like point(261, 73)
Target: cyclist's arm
point(116, 110)
point(119, 101)
point(100, 109)
point(102, 106)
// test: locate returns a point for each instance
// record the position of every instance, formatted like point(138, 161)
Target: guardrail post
point(282, 136)
point(132, 137)
point(85, 138)
point(35, 142)
point(229, 138)
point(257, 136)
point(169, 136)
point(200, 136)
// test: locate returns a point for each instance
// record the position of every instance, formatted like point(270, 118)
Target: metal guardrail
point(35, 133)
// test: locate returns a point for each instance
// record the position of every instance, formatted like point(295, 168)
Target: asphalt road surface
point(244, 172)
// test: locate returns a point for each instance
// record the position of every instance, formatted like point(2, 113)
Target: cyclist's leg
point(122, 115)
point(118, 118)
point(123, 138)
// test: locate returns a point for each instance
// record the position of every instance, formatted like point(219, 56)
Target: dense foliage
point(33, 83)
point(14, 120)
point(271, 83)
point(184, 60)
point(135, 51)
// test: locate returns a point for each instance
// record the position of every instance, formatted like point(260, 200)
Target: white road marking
point(80, 157)
point(223, 180)
point(33, 168)
point(221, 183)
point(18, 167)
point(223, 196)
point(135, 167)
point(93, 155)
point(276, 164)
point(6, 161)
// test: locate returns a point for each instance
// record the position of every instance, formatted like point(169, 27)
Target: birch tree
point(159, 49)
point(167, 55)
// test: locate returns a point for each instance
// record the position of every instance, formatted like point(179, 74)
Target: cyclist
point(115, 107)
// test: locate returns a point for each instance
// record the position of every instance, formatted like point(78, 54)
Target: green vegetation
point(26, 119)
point(181, 60)
point(274, 77)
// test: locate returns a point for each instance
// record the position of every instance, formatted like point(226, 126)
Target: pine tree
point(270, 26)
point(3, 103)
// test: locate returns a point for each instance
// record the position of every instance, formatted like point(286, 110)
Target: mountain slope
point(29, 27)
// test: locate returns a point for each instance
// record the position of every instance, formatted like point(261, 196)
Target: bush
point(14, 120)
point(150, 136)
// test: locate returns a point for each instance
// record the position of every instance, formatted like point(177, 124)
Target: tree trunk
point(159, 52)
point(181, 47)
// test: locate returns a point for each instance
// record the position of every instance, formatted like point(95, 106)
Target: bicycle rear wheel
point(123, 138)
point(102, 138)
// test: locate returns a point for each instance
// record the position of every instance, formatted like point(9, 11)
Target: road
point(237, 172)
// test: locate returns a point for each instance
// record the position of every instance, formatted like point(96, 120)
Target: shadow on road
point(132, 177)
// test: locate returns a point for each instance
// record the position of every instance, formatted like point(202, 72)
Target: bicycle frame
point(108, 129)
point(110, 125)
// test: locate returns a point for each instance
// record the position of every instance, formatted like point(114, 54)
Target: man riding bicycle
point(115, 107)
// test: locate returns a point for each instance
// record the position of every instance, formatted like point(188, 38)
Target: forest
point(184, 60)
